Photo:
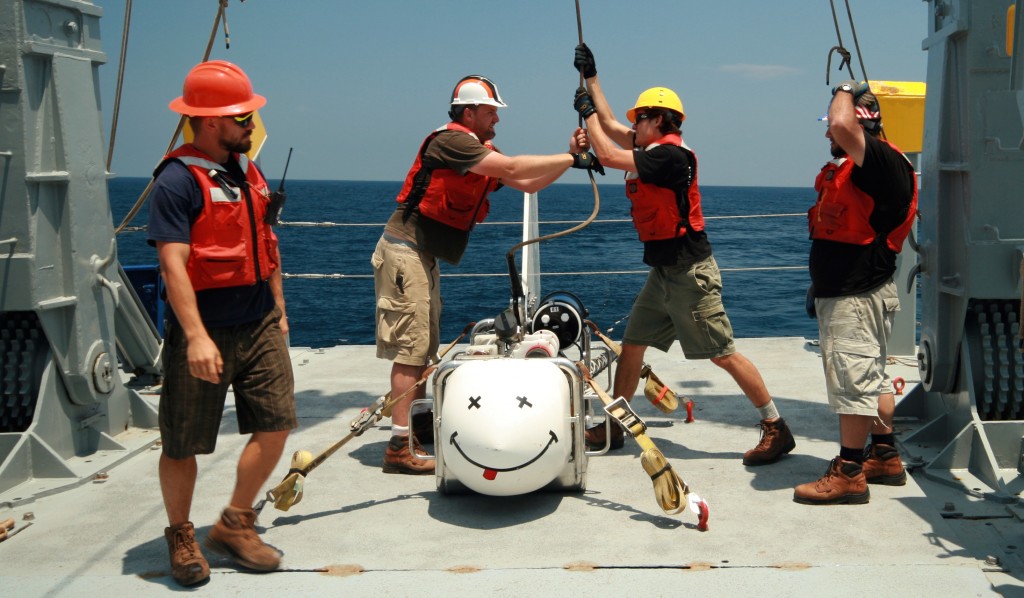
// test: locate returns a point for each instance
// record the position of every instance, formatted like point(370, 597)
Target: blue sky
point(355, 86)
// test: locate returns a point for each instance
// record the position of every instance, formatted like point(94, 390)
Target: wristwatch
point(845, 87)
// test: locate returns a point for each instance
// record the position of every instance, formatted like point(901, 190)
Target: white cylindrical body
point(505, 425)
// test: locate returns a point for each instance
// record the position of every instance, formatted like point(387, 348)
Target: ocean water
point(763, 259)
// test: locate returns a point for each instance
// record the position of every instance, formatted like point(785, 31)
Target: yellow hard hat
point(657, 97)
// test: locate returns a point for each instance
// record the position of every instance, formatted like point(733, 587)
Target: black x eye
point(524, 402)
point(474, 402)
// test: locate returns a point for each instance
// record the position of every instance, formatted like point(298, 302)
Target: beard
point(837, 152)
point(241, 146)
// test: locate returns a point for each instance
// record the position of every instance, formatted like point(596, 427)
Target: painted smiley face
point(506, 425)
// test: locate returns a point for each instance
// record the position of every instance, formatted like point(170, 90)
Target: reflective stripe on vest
point(229, 227)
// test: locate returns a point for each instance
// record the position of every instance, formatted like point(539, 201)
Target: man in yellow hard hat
point(445, 195)
point(682, 298)
point(226, 325)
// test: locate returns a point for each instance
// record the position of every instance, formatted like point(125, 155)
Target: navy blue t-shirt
point(174, 204)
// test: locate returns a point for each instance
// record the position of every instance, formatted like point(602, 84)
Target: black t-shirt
point(670, 166)
point(174, 204)
point(843, 269)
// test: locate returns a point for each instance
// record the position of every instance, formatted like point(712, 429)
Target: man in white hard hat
point(682, 297)
point(226, 324)
point(445, 195)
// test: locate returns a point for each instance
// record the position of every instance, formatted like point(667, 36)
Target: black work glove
point(856, 88)
point(587, 161)
point(584, 61)
point(583, 104)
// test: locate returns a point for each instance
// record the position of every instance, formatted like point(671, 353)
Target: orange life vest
point(441, 194)
point(656, 210)
point(229, 239)
point(842, 212)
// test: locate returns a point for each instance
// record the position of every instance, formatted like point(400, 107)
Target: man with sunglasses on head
point(226, 324)
point(444, 196)
point(867, 201)
point(682, 297)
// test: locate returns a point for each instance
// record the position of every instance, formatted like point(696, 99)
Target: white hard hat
point(475, 90)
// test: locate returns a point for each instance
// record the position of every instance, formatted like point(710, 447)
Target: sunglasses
point(643, 116)
point(242, 120)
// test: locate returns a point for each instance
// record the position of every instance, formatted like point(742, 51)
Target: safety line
point(502, 274)
point(328, 224)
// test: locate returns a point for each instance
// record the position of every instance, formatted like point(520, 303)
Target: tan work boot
point(188, 565)
point(398, 459)
point(843, 483)
point(882, 465)
point(776, 440)
point(235, 535)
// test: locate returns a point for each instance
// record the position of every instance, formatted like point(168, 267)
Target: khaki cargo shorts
point(682, 303)
point(408, 287)
point(854, 332)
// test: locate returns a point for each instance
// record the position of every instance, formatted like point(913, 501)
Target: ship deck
point(359, 532)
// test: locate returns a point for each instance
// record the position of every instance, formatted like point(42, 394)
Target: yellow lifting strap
point(671, 492)
point(660, 395)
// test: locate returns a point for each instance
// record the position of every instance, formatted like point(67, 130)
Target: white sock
point(399, 430)
point(767, 411)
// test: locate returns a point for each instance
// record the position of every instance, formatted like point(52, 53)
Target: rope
point(516, 281)
point(177, 130)
point(120, 81)
point(329, 224)
point(589, 273)
point(856, 43)
point(842, 51)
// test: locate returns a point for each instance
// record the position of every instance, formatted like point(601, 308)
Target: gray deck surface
point(360, 532)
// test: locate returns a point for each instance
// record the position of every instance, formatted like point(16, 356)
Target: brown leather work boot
point(595, 437)
point(843, 483)
point(398, 459)
point(235, 535)
point(882, 465)
point(776, 440)
point(188, 565)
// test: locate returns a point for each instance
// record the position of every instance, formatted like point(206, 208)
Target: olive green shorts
point(256, 365)
point(682, 303)
point(408, 287)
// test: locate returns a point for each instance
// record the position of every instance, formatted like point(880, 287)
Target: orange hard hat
point(216, 88)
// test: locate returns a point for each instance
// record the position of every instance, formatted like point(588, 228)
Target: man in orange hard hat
point(682, 298)
point(226, 324)
point(445, 195)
